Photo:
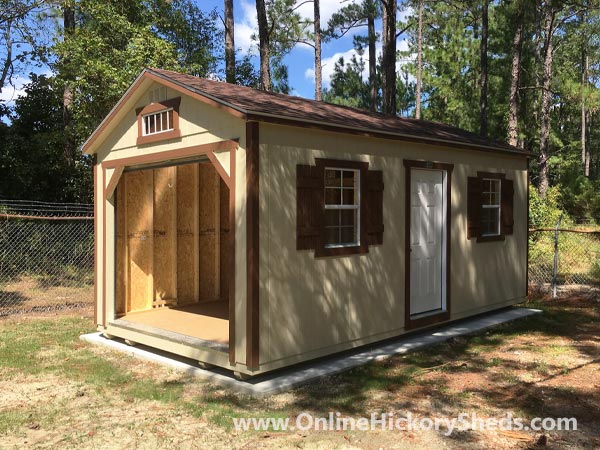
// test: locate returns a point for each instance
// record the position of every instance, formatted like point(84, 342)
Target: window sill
point(341, 251)
point(499, 237)
point(173, 134)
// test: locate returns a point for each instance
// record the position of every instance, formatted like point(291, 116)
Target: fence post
point(555, 270)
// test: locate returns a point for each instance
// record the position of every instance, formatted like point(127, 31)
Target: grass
point(493, 372)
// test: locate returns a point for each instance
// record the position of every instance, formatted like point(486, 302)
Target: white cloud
point(10, 93)
point(328, 7)
point(248, 25)
point(328, 66)
point(245, 28)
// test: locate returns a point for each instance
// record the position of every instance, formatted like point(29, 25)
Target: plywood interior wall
point(172, 237)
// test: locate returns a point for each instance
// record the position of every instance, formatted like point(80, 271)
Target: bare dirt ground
point(29, 294)
point(58, 392)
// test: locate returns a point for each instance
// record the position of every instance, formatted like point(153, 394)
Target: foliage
point(347, 86)
point(112, 43)
point(191, 31)
point(545, 212)
point(21, 36)
point(32, 165)
point(114, 39)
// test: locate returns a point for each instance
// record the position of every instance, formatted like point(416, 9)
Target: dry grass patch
point(59, 392)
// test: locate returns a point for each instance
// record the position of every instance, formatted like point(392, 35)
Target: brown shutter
point(474, 185)
point(309, 184)
point(506, 207)
point(374, 207)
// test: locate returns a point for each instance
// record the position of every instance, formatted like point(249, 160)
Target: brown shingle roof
point(268, 106)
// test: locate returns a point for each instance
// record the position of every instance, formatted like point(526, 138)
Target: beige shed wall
point(310, 307)
point(199, 124)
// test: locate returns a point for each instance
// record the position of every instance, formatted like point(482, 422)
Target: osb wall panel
point(172, 230)
point(121, 257)
point(165, 233)
point(140, 237)
point(188, 280)
point(225, 253)
point(209, 238)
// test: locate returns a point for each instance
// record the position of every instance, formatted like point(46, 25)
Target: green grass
point(167, 392)
point(52, 346)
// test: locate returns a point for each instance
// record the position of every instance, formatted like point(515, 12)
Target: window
point(339, 207)
point(158, 121)
point(490, 207)
point(342, 207)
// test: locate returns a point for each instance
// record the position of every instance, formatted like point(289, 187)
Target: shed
point(252, 230)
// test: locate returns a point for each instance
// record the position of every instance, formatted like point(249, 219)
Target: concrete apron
point(286, 379)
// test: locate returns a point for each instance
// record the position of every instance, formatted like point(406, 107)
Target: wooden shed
point(252, 230)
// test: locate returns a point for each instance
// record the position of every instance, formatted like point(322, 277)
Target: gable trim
point(148, 75)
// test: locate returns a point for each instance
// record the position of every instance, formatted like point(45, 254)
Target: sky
point(300, 60)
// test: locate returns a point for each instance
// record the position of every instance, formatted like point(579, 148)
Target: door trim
point(444, 316)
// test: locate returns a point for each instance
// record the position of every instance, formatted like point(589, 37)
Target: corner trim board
point(252, 249)
point(232, 230)
point(94, 168)
point(103, 249)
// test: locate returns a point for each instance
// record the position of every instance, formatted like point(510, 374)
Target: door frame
point(411, 323)
point(166, 158)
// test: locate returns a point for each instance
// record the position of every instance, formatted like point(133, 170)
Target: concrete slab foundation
point(289, 378)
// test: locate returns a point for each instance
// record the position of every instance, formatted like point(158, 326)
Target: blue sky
point(300, 61)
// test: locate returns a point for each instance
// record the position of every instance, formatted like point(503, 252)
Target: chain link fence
point(46, 257)
point(564, 257)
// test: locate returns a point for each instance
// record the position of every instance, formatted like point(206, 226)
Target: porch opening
point(172, 252)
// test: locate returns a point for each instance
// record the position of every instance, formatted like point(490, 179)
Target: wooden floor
point(208, 321)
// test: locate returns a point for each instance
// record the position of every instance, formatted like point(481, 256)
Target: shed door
point(427, 241)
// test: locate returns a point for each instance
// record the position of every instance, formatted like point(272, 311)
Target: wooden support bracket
point(219, 168)
point(109, 189)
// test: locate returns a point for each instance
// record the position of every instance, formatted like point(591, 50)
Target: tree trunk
point(372, 60)
point(544, 169)
point(229, 43)
point(588, 155)
point(318, 68)
point(419, 62)
point(70, 143)
point(388, 81)
point(7, 65)
point(263, 38)
point(584, 149)
point(584, 84)
point(513, 99)
point(483, 106)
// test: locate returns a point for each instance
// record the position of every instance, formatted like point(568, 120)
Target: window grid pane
point(341, 207)
point(490, 207)
point(158, 122)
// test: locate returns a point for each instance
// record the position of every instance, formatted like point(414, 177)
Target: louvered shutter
point(474, 188)
point(506, 206)
point(374, 207)
point(309, 184)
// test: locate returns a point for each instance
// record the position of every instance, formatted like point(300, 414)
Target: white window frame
point(355, 207)
point(498, 206)
point(157, 114)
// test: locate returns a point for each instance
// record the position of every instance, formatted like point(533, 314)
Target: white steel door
point(427, 241)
